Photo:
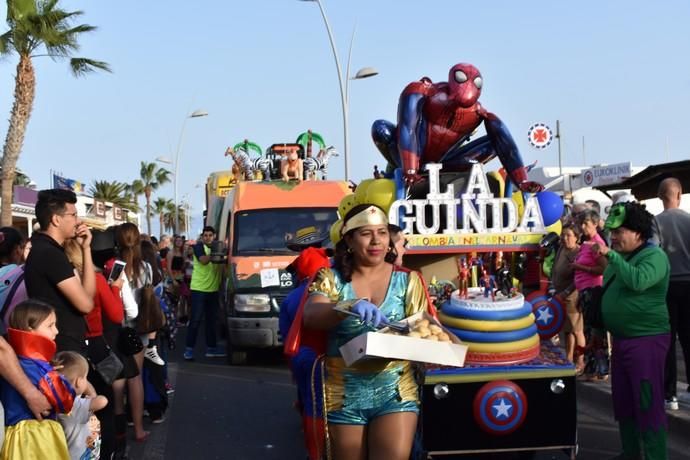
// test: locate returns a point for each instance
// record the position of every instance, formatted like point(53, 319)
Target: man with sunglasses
point(51, 277)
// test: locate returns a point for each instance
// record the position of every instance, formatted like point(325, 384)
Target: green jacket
point(634, 300)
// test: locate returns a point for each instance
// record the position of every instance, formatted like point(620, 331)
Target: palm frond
point(82, 66)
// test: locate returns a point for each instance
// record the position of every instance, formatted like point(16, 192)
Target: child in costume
point(83, 436)
point(32, 334)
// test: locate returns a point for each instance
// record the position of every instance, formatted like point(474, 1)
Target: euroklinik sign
point(472, 230)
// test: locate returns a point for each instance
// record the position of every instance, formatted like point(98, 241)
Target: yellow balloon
point(361, 191)
point(495, 175)
point(556, 227)
point(519, 203)
point(335, 231)
point(381, 192)
point(347, 203)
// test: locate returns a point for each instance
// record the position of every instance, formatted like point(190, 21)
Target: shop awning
point(645, 183)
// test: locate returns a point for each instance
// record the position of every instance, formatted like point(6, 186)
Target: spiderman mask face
point(464, 84)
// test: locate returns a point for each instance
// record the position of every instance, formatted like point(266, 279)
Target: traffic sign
point(539, 135)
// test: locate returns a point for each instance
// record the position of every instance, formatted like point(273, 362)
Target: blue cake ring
point(494, 337)
point(486, 315)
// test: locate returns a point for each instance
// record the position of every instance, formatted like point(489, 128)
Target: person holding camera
point(205, 285)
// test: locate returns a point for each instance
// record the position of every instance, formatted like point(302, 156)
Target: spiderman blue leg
point(460, 157)
point(384, 134)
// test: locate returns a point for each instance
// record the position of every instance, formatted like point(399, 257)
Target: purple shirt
point(587, 257)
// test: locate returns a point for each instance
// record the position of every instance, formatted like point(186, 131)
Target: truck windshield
point(266, 230)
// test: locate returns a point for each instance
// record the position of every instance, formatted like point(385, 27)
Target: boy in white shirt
point(82, 430)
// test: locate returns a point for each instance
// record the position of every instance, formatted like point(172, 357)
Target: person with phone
point(107, 305)
point(116, 272)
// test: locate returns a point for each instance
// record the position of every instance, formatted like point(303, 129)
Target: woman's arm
point(319, 313)
point(130, 303)
point(168, 263)
point(111, 301)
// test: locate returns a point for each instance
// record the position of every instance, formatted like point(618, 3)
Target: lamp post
point(176, 163)
point(364, 72)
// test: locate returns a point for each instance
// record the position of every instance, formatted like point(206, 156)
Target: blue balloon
point(551, 206)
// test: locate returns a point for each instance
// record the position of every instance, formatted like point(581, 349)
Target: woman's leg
point(348, 442)
point(120, 417)
point(135, 393)
point(570, 347)
point(579, 355)
point(391, 436)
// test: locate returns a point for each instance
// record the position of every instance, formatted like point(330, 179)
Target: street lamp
point(364, 72)
point(176, 163)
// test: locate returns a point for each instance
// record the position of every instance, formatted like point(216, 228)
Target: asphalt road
point(226, 412)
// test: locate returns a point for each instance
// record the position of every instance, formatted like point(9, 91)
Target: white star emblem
point(503, 409)
point(544, 315)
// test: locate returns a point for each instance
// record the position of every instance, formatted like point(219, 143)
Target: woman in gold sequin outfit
point(372, 406)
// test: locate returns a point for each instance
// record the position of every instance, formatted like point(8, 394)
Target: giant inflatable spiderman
point(435, 121)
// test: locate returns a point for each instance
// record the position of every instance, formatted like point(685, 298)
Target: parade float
point(256, 206)
point(475, 236)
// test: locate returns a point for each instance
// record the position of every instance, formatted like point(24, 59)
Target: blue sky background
point(616, 73)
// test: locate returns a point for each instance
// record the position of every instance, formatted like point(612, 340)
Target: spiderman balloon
point(435, 122)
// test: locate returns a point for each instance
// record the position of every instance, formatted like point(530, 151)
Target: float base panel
point(449, 427)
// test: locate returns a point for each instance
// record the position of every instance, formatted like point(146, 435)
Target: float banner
point(460, 241)
point(67, 184)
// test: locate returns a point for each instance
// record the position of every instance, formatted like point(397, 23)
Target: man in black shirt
point(50, 276)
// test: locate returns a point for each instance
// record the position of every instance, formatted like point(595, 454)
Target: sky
point(616, 74)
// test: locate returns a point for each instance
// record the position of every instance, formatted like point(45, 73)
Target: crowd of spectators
point(77, 368)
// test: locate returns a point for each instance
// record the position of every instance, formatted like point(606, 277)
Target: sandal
point(579, 351)
point(142, 438)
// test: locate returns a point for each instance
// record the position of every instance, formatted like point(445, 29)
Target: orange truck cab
point(253, 225)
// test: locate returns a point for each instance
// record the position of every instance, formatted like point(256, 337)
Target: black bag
point(591, 307)
point(151, 316)
point(128, 341)
point(109, 368)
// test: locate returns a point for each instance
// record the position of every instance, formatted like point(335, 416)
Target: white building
point(602, 182)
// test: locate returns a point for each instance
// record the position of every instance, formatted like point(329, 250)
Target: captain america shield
point(549, 314)
point(500, 407)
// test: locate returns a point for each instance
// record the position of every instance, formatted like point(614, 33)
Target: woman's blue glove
point(369, 313)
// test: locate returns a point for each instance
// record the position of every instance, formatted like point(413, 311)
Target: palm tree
point(151, 176)
point(113, 192)
point(133, 191)
point(170, 218)
point(21, 179)
point(160, 206)
point(34, 24)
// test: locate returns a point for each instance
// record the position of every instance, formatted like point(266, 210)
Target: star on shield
point(544, 315)
point(502, 409)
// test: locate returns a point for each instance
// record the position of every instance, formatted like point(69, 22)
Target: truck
point(253, 224)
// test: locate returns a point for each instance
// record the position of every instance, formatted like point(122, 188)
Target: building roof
point(644, 184)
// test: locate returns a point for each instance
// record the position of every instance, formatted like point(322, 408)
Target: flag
point(67, 184)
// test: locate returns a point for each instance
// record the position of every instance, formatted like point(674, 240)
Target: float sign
point(467, 230)
point(606, 175)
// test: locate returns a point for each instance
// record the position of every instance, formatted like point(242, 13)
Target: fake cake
point(497, 331)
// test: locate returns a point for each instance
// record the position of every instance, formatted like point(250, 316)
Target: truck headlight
point(252, 303)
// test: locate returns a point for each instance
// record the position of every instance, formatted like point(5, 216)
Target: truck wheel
point(235, 357)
